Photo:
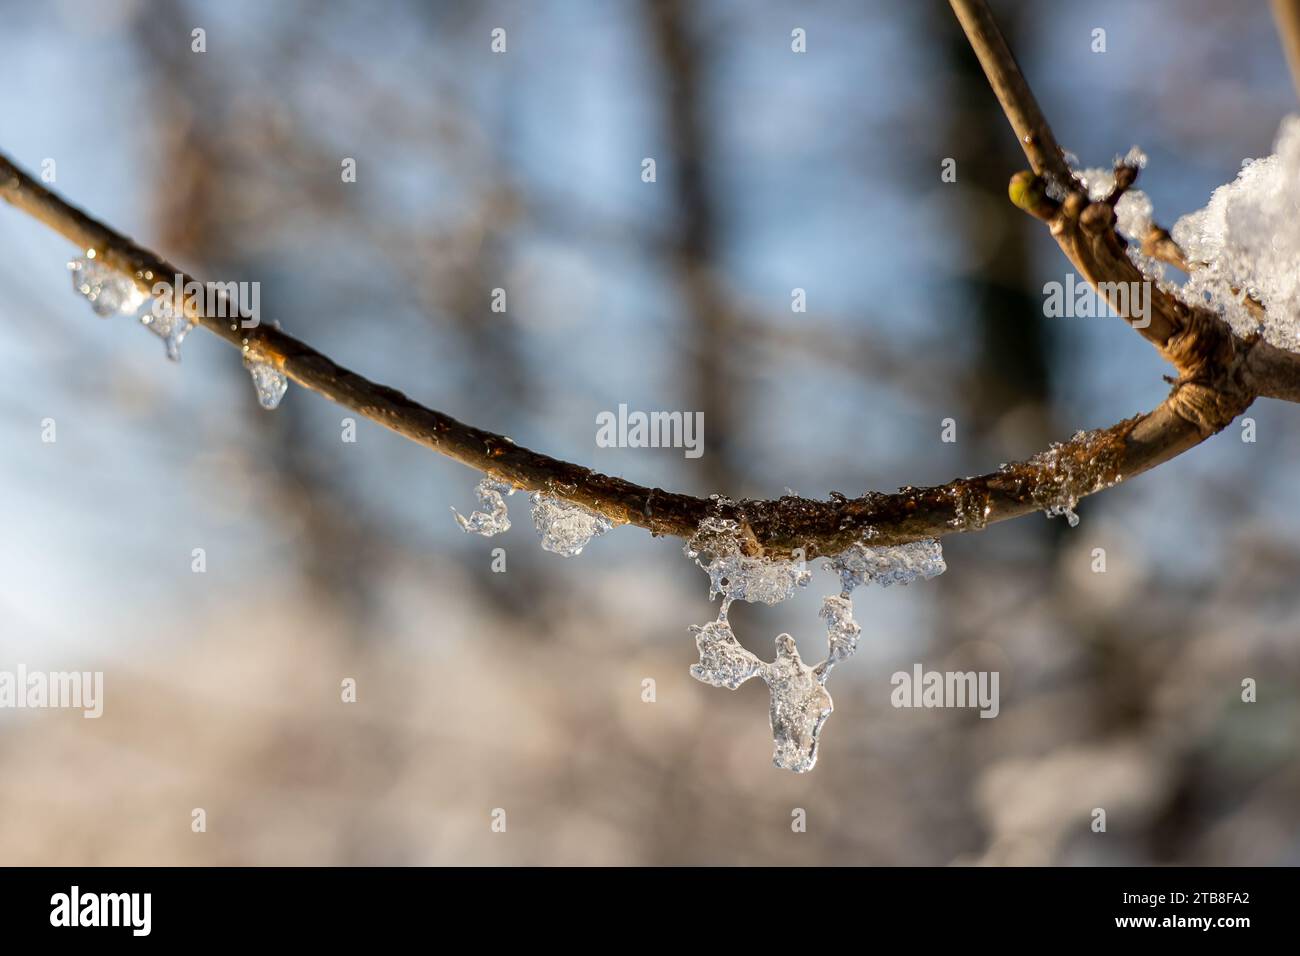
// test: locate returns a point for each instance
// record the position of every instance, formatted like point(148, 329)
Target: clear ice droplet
point(1063, 511)
point(800, 706)
point(494, 518)
point(107, 290)
point(269, 381)
point(163, 321)
point(841, 629)
point(565, 528)
point(723, 661)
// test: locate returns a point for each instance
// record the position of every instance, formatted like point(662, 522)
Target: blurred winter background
point(522, 690)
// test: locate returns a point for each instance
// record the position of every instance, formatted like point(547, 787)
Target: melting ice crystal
point(107, 290)
point(841, 630)
point(861, 564)
point(723, 661)
point(800, 703)
point(269, 382)
point(565, 528)
point(169, 325)
point(495, 517)
point(736, 576)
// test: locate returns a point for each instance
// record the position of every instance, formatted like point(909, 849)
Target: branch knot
point(1215, 383)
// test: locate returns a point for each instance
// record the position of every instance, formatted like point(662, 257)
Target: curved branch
point(1220, 375)
point(1087, 463)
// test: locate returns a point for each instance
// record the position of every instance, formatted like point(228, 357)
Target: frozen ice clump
point(1246, 242)
point(1058, 477)
point(1098, 181)
point(107, 290)
point(716, 549)
point(495, 517)
point(1132, 211)
point(169, 325)
point(1135, 157)
point(800, 702)
point(800, 706)
point(1065, 511)
point(1133, 215)
point(565, 528)
point(862, 564)
point(841, 629)
point(269, 382)
point(723, 661)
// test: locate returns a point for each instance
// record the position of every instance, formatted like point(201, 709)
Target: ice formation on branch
point(494, 518)
point(861, 564)
point(1064, 473)
point(1133, 210)
point(800, 706)
point(269, 381)
point(723, 661)
point(109, 291)
point(106, 289)
point(737, 577)
point(565, 528)
point(1246, 242)
point(800, 702)
point(841, 630)
point(169, 325)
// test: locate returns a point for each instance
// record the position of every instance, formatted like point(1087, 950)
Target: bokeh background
point(522, 690)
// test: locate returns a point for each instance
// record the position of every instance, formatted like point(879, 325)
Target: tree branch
point(1220, 375)
point(1220, 372)
point(1287, 15)
point(1079, 467)
point(1026, 119)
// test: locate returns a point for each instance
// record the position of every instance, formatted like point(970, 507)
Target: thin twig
point(1220, 375)
point(1083, 465)
point(1026, 119)
point(1159, 245)
point(1220, 372)
point(1286, 13)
